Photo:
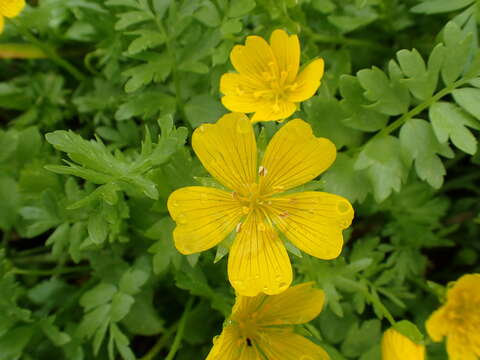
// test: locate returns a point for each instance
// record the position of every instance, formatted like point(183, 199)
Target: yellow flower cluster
point(257, 209)
point(253, 206)
point(459, 319)
point(9, 9)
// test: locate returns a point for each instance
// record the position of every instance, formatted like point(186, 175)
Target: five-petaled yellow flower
point(253, 205)
point(9, 9)
point(459, 319)
point(267, 82)
point(396, 346)
point(262, 327)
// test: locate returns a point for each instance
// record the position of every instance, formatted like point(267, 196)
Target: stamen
point(262, 171)
point(238, 228)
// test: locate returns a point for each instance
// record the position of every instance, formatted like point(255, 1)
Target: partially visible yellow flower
point(262, 327)
point(267, 82)
point(253, 206)
point(396, 346)
point(459, 319)
point(9, 9)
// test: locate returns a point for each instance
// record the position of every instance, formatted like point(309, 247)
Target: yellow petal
point(396, 346)
point(254, 59)
point(313, 221)
point(228, 151)
point(294, 157)
point(437, 325)
point(296, 305)
point(287, 52)
point(459, 348)
point(204, 217)
point(11, 8)
point(286, 345)
point(238, 92)
point(258, 261)
point(307, 81)
point(271, 110)
point(226, 346)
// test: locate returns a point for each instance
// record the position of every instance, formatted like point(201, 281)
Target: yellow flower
point(262, 327)
point(459, 319)
point(396, 346)
point(267, 82)
point(9, 9)
point(252, 206)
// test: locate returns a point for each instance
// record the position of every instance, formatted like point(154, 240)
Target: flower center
point(253, 200)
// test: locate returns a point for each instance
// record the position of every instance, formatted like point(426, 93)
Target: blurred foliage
point(91, 149)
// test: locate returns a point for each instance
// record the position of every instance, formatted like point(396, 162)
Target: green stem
point(65, 270)
point(181, 328)
point(49, 51)
point(409, 115)
point(5, 239)
point(161, 343)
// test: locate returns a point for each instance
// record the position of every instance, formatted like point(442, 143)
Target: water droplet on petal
point(343, 207)
point(265, 288)
point(181, 219)
point(282, 284)
point(175, 203)
point(257, 276)
point(278, 188)
point(261, 227)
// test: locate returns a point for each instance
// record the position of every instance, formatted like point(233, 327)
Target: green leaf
point(9, 203)
point(99, 295)
point(146, 39)
point(131, 18)
point(97, 228)
point(409, 330)
point(449, 122)
point(418, 139)
point(13, 343)
point(143, 318)
point(389, 97)
point(468, 99)
point(359, 116)
point(360, 339)
point(52, 331)
point(386, 167)
point(240, 7)
point(156, 69)
point(421, 82)
point(208, 14)
point(202, 109)
point(339, 180)
point(458, 47)
point(121, 304)
point(440, 6)
point(325, 116)
point(133, 280)
point(146, 105)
